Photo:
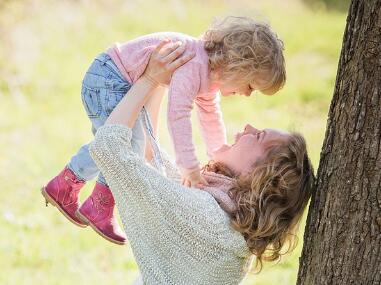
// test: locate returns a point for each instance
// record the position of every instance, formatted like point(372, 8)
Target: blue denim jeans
point(102, 88)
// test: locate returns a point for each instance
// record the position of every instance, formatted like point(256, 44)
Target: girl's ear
point(215, 74)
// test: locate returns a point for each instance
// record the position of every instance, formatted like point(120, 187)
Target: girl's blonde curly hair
point(244, 50)
point(271, 199)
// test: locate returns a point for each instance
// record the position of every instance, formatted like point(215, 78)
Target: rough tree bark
point(342, 242)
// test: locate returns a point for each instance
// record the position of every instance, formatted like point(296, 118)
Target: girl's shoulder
point(193, 44)
point(155, 38)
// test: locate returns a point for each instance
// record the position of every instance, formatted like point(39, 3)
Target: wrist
point(189, 171)
point(149, 80)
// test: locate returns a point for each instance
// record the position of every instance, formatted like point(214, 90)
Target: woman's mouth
point(237, 137)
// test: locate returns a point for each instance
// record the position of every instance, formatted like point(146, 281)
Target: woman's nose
point(250, 129)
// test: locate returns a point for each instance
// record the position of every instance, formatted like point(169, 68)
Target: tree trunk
point(342, 242)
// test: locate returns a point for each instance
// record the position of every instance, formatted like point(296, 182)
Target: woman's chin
point(221, 149)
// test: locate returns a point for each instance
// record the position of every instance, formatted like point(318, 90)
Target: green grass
point(45, 51)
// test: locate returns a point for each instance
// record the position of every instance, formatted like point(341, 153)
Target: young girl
point(235, 56)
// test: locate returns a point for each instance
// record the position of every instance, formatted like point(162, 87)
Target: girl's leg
point(97, 96)
point(101, 91)
point(82, 163)
point(62, 191)
point(103, 88)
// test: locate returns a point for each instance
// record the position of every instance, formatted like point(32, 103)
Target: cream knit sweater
point(178, 235)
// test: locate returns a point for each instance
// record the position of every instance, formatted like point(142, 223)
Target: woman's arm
point(160, 217)
point(127, 111)
point(166, 224)
point(153, 108)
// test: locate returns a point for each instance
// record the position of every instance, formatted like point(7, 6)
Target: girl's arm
point(184, 87)
point(211, 123)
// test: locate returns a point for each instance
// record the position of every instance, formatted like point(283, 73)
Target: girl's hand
point(193, 179)
point(164, 60)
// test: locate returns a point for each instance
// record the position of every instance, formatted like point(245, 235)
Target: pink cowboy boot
point(98, 212)
point(62, 192)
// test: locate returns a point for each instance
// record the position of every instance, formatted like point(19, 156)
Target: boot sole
point(83, 219)
point(50, 200)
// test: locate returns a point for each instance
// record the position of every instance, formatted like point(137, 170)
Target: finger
point(203, 181)
point(201, 186)
point(161, 44)
point(179, 50)
point(170, 48)
point(180, 61)
point(187, 183)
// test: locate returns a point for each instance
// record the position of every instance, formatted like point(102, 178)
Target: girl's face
point(249, 146)
point(233, 87)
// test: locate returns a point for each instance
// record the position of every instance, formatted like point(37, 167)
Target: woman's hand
point(164, 60)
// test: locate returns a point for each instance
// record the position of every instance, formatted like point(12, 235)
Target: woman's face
point(249, 146)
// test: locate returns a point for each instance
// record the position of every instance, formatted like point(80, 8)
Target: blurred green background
point(46, 47)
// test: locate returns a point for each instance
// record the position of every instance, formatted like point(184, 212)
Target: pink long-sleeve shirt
point(190, 83)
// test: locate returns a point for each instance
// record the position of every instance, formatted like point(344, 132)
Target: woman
point(257, 190)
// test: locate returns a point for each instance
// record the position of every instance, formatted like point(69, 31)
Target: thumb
point(204, 181)
point(201, 186)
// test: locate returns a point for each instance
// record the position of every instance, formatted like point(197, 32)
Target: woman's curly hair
point(271, 199)
point(244, 50)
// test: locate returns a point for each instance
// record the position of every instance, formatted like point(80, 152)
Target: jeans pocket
point(113, 98)
point(92, 102)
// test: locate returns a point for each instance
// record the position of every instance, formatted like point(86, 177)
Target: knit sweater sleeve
point(211, 122)
point(113, 153)
point(171, 169)
point(154, 196)
point(176, 233)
